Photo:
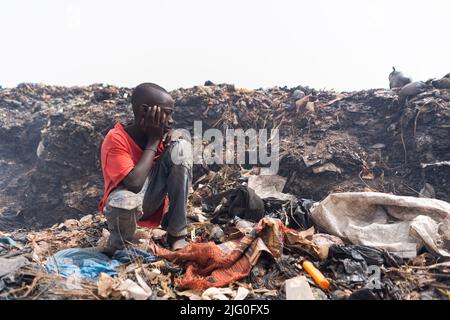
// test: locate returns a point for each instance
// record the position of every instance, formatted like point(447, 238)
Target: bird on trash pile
point(397, 79)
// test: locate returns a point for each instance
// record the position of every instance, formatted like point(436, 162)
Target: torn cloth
point(210, 265)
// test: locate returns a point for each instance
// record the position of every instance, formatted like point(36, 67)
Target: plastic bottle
point(318, 277)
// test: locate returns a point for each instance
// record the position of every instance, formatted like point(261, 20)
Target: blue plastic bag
point(130, 254)
point(82, 262)
point(7, 241)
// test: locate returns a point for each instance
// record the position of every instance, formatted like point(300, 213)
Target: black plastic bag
point(371, 255)
point(301, 217)
point(244, 203)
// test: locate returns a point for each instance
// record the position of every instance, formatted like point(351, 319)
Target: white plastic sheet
point(398, 224)
point(269, 186)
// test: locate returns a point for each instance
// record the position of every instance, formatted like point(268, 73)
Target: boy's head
point(148, 95)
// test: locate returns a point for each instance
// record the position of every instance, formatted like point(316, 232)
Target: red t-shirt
point(119, 155)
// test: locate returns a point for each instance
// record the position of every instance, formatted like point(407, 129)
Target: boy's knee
point(124, 199)
point(181, 154)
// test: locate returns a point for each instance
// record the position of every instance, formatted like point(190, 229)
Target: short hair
point(143, 90)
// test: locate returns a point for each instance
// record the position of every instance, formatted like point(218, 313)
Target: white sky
point(340, 44)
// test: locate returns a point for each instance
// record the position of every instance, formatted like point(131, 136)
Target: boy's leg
point(123, 209)
point(171, 178)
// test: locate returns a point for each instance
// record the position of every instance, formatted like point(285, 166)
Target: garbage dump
point(359, 208)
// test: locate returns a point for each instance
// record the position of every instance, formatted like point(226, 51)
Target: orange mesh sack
point(210, 265)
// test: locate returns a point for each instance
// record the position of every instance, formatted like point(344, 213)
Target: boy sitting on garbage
point(140, 175)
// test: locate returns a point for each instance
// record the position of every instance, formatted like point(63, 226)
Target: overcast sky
point(340, 44)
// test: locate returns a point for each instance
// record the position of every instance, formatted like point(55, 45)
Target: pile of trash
point(329, 141)
point(359, 208)
point(247, 240)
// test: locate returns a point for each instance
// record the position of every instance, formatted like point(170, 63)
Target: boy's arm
point(135, 180)
point(154, 121)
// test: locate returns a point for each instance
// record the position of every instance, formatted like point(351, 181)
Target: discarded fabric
point(81, 262)
point(210, 265)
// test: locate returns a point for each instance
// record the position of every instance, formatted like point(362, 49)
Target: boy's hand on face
point(153, 123)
